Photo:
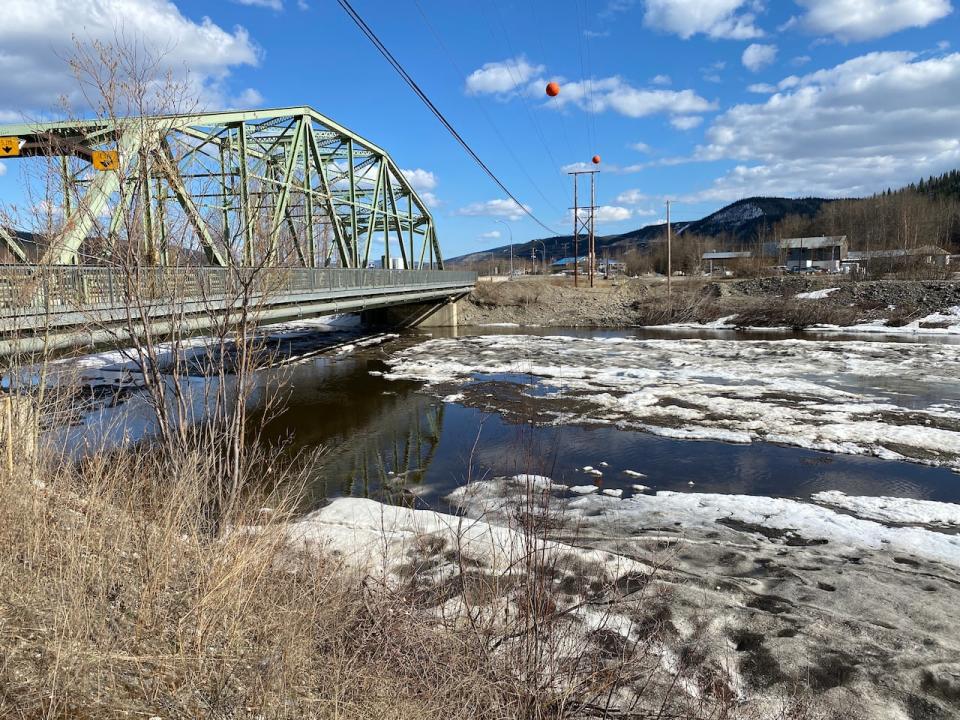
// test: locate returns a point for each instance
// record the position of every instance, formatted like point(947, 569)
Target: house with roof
point(824, 252)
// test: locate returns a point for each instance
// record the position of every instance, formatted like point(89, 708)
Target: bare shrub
point(518, 293)
point(796, 314)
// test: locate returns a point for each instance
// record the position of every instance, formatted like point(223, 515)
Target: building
point(608, 267)
point(825, 252)
point(717, 261)
point(566, 264)
point(896, 259)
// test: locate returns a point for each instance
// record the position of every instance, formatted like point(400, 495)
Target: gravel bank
point(762, 302)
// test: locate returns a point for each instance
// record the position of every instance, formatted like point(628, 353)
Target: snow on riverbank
point(946, 323)
point(894, 510)
point(802, 521)
point(891, 400)
point(372, 536)
point(771, 598)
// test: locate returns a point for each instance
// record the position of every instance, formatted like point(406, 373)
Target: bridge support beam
point(429, 314)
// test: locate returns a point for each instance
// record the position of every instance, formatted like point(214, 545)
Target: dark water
point(392, 438)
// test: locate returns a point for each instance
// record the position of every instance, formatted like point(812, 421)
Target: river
point(501, 411)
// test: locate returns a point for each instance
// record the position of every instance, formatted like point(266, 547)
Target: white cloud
point(879, 120)
point(504, 208)
point(37, 34)
point(502, 78)
point(870, 19)
point(3, 169)
point(716, 18)
point(615, 94)
point(757, 56)
point(801, 60)
point(711, 73)
point(641, 147)
point(596, 95)
point(248, 98)
point(607, 214)
point(762, 89)
point(583, 167)
point(421, 180)
point(492, 235)
point(686, 122)
point(269, 4)
point(661, 80)
point(631, 197)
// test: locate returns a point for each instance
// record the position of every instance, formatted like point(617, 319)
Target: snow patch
point(816, 294)
point(895, 510)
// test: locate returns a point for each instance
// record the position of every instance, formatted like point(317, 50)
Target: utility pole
point(584, 225)
point(576, 231)
point(592, 257)
point(510, 230)
point(669, 252)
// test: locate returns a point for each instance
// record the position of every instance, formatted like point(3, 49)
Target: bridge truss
point(283, 187)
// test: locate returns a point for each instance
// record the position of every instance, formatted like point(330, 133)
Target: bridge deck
point(89, 301)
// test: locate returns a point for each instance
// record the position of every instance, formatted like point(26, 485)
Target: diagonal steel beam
point(168, 167)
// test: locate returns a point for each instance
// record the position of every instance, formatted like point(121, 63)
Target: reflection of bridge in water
point(174, 217)
point(381, 435)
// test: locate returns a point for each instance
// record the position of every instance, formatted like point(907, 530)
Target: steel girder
point(287, 186)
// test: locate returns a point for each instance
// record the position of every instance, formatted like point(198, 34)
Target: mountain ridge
point(736, 223)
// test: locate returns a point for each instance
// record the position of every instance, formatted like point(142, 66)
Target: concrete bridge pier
point(428, 314)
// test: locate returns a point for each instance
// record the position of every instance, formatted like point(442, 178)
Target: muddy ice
point(789, 598)
point(767, 608)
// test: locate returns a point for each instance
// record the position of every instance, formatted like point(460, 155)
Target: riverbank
point(796, 303)
point(767, 608)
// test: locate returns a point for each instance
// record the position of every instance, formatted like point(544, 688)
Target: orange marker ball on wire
point(596, 159)
point(553, 89)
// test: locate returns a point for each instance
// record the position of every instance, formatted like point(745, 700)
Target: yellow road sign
point(106, 159)
point(9, 146)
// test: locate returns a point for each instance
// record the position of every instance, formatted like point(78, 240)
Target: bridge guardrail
point(45, 289)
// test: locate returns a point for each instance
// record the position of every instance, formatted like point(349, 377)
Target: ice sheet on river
point(892, 400)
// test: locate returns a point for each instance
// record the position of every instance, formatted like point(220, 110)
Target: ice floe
point(890, 400)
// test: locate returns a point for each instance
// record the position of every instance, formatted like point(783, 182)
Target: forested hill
point(737, 223)
point(943, 186)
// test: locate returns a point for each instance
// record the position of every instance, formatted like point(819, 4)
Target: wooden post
point(17, 430)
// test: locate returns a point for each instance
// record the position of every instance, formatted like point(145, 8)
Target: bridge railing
point(30, 290)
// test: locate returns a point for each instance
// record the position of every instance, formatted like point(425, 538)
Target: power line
point(523, 97)
point(366, 30)
point(483, 110)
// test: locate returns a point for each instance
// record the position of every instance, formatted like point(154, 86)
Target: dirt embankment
point(759, 302)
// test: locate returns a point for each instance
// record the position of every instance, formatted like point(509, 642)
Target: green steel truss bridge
point(193, 201)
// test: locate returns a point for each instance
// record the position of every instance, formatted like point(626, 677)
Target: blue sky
point(700, 101)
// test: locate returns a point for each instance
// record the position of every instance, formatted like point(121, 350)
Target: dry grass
point(114, 601)
point(510, 294)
